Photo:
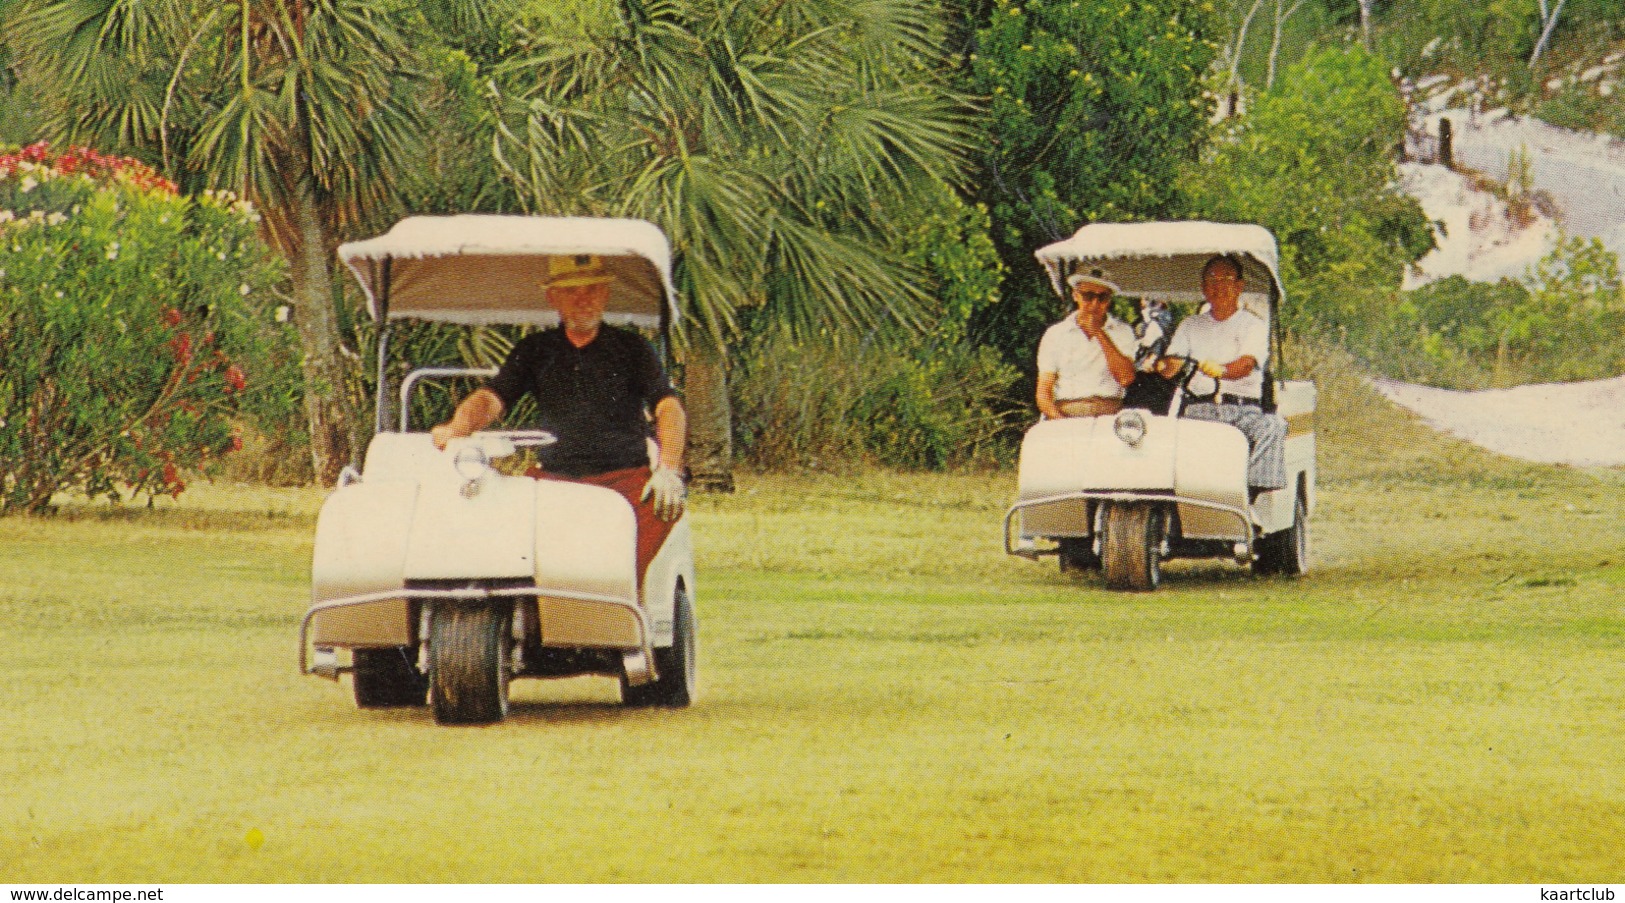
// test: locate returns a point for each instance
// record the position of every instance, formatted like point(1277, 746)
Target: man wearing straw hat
point(597, 388)
point(1082, 368)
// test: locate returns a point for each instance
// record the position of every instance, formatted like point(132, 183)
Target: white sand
point(1582, 424)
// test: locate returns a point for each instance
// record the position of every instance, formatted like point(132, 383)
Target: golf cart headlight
point(471, 462)
point(1129, 426)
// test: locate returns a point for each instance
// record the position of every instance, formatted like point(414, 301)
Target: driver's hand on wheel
point(446, 432)
point(1211, 369)
point(666, 487)
point(1168, 367)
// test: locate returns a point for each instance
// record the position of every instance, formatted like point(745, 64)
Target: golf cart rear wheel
point(1286, 552)
point(468, 663)
point(676, 665)
point(388, 678)
point(1077, 554)
point(1131, 552)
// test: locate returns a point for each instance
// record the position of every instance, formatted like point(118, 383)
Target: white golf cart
point(1122, 493)
point(436, 577)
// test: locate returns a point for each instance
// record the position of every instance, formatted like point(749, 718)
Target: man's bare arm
point(478, 411)
point(1046, 396)
point(1120, 365)
point(671, 431)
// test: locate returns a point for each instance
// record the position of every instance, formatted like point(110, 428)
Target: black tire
point(1077, 555)
point(677, 665)
point(1286, 552)
point(388, 678)
point(1131, 550)
point(468, 663)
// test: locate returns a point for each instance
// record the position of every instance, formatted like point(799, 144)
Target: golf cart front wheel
point(468, 663)
point(1131, 552)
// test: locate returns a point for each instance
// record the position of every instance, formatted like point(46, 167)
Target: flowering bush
point(134, 326)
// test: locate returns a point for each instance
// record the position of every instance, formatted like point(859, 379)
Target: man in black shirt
point(596, 388)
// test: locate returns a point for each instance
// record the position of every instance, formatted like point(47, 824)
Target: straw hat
point(1095, 276)
point(565, 271)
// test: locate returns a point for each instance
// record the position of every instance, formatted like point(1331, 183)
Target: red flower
point(181, 347)
point(172, 317)
point(235, 378)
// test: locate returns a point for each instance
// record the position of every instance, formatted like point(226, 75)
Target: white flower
point(59, 294)
point(221, 255)
point(29, 184)
point(7, 216)
point(56, 219)
point(282, 314)
point(244, 289)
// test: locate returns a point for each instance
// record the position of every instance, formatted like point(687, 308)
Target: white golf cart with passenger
point(1123, 492)
point(438, 578)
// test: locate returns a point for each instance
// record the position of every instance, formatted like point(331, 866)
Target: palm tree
point(776, 141)
point(299, 105)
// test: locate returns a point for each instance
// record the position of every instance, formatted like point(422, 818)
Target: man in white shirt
point(1230, 347)
point(1082, 363)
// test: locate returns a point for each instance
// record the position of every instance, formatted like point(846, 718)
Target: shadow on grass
point(158, 518)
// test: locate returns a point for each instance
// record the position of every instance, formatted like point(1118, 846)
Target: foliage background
point(136, 329)
point(1074, 110)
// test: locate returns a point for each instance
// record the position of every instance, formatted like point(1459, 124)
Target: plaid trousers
point(1266, 439)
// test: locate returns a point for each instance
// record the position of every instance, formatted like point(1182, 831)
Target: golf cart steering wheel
point(1187, 370)
point(529, 438)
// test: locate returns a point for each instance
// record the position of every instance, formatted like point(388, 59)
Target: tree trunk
point(710, 418)
point(1241, 45)
point(1547, 23)
point(327, 407)
point(1365, 24)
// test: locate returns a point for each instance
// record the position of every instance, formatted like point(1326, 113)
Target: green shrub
point(811, 404)
point(1313, 161)
point(135, 329)
point(1563, 321)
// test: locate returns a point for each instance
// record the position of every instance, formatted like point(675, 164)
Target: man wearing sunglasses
point(1082, 366)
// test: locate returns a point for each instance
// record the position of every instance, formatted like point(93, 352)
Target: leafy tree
point(1313, 162)
point(134, 328)
point(306, 107)
point(778, 143)
point(1093, 108)
point(921, 400)
point(1499, 37)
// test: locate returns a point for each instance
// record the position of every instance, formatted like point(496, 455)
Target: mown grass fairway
point(884, 697)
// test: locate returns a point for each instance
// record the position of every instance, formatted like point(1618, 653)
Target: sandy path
point(1582, 424)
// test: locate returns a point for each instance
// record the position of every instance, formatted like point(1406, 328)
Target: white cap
point(1095, 276)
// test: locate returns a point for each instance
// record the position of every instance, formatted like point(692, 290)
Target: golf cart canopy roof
point(478, 269)
point(1164, 261)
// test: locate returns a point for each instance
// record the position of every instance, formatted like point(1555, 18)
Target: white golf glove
point(1211, 369)
point(666, 486)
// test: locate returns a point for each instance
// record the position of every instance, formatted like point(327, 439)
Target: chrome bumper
point(1240, 514)
point(468, 594)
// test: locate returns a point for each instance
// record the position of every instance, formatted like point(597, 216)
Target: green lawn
point(884, 696)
